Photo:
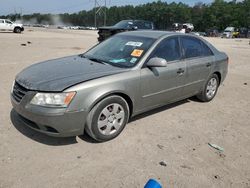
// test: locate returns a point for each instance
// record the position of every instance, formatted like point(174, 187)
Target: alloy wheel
point(211, 88)
point(111, 119)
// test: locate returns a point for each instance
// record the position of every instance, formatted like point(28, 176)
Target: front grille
point(18, 92)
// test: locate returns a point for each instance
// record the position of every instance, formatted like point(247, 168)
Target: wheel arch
point(219, 76)
point(125, 96)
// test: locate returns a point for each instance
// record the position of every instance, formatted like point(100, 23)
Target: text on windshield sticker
point(132, 43)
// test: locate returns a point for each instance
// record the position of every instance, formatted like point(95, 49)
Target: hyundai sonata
point(130, 73)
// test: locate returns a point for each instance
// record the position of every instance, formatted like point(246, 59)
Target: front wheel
point(17, 30)
point(108, 118)
point(210, 89)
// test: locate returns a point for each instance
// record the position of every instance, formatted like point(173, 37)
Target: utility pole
point(100, 8)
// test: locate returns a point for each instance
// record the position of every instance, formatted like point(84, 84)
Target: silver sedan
point(130, 73)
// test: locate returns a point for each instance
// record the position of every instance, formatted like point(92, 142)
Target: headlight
point(53, 99)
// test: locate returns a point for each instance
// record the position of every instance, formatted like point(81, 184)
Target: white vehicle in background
point(189, 26)
point(228, 32)
point(183, 28)
point(7, 25)
point(74, 27)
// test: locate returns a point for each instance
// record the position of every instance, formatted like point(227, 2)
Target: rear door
point(160, 85)
point(199, 59)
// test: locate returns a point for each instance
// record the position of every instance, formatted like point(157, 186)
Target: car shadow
point(6, 31)
point(36, 136)
point(85, 137)
point(160, 109)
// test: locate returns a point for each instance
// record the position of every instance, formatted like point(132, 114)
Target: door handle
point(208, 64)
point(180, 71)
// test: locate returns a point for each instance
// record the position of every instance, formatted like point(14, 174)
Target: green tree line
point(218, 14)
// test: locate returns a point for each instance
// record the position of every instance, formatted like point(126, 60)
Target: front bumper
point(58, 122)
point(226, 35)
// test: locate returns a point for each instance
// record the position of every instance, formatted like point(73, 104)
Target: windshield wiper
point(95, 59)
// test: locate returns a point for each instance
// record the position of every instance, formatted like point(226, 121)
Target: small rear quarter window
point(206, 50)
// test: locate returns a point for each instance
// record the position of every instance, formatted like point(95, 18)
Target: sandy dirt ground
point(177, 134)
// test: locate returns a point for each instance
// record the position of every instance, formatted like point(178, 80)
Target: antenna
point(100, 8)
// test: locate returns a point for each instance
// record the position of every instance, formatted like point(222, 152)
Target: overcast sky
point(62, 6)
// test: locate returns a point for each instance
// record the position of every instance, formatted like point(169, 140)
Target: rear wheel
point(108, 118)
point(210, 89)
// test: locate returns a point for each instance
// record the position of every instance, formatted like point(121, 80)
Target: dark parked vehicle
point(243, 32)
point(124, 25)
point(212, 33)
point(130, 73)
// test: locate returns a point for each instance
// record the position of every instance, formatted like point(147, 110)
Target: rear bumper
point(56, 122)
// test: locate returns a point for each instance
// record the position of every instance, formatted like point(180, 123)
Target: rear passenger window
point(192, 47)
point(168, 49)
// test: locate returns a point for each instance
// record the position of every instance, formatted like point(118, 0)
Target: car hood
point(18, 24)
point(58, 74)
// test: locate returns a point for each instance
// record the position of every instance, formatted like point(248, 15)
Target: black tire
point(204, 96)
point(17, 30)
point(96, 115)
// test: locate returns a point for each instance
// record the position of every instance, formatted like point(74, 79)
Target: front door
point(161, 85)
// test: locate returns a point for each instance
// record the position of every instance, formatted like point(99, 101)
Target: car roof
point(135, 21)
point(150, 34)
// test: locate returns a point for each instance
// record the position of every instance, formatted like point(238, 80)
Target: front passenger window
point(168, 49)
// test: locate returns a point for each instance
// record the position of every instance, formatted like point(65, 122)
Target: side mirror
point(157, 62)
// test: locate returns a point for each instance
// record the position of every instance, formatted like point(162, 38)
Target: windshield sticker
point(133, 60)
point(132, 43)
point(118, 61)
point(137, 53)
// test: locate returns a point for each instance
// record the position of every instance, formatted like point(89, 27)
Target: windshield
point(229, 29)
point(124, 24)
point(122, 51)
